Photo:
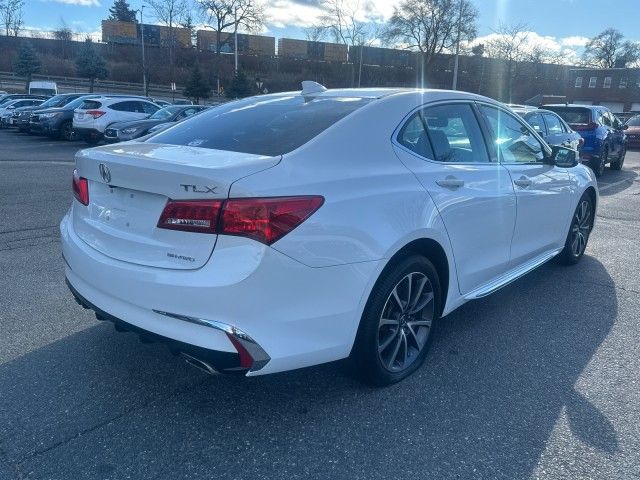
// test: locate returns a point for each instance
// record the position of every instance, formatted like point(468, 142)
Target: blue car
point(603, 134)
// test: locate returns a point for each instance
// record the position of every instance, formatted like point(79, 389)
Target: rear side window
point(535, 120)
point(90, 105)
point(414, 137)
point(124, 106)
point(263, 126)
point(553, 123)
point(575, 115)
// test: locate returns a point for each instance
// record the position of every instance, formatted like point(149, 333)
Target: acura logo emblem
point(105, 173)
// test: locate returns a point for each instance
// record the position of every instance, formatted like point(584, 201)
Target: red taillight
point(584, 126)
point(246, 361)
point(191, 215)
point(263, 219)
point(95, 113)
point(266, 219)
point(80, 188)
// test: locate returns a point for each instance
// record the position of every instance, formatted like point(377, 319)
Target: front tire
point(396, 327)
point(66, 132)
point(579, 231)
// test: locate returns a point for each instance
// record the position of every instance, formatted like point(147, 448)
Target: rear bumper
point(298, 315)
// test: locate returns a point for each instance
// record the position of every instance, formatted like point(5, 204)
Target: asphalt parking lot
point(539, 380)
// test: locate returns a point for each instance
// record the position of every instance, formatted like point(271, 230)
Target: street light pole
point(455, 65)
point(144, 68)
point(235, 38)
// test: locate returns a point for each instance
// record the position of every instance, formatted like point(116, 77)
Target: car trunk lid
point(129, 186)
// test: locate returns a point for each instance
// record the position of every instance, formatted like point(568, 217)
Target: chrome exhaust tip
point(199, 364)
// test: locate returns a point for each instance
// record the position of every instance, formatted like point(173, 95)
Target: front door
point(543, 191)
point(444, 146)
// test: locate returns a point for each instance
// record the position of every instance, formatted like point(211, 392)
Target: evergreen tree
point(197, 87)
point(240, 86)
point(27, 63)
point(122, 12)
point(90, 64)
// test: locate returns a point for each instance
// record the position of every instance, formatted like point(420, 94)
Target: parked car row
point(597, 134)
point(90, 117)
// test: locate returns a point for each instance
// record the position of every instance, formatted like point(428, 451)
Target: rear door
point(617, 134)
point(445, 148)
point(543, 191)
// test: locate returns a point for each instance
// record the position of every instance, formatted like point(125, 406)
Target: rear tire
point(66, 132)
point(579, 231)
point(617, 165)
point(598, 168)
point(397, 324)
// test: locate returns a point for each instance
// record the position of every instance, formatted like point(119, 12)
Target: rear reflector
point(265, 220)
point(191, 215)
point(80, 188)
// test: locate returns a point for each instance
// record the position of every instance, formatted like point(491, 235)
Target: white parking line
point(615, 184)
point(32, 162)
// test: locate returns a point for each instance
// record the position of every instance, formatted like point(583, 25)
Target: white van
point(43, 88)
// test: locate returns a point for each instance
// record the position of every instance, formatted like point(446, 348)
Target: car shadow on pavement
point(501, 372)
point(619, 181)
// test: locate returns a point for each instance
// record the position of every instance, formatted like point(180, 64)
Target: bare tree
point(608, 50)
point(11, 16)
point(171, 13)
point(431, 26)
point(346, 22)
point(222, 15)
point(510, 43)
point(65, 35)
point(315, 33)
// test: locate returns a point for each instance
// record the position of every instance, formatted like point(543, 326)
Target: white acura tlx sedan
point(287, 230)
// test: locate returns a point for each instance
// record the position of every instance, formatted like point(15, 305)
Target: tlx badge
point(196, 189)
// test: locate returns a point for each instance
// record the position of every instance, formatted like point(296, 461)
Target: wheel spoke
point(412, 302)
point(388, 341)
point(423, 303)
point(414, 336)
point(388, 321)
point(406, 348)
point(397, 298)
point(419, 323)
point(392, 359)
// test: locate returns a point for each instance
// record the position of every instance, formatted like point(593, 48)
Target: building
point(615, 88)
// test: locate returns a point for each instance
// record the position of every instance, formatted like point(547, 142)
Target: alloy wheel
point(581, 228)
point(405, 322)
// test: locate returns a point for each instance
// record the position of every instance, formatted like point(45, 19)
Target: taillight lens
point(265, 220)
point(191, 215)
point(80, 188)
point(95, 113)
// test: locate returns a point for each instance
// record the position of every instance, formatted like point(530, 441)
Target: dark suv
point(603, 134)
point(21, 116)
point(56, 122)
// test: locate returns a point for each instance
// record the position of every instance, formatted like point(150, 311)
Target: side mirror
point(564, 157)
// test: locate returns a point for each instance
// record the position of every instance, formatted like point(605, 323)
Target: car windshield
point(55, 102)
point(263, 126)
point(574, 116)
point(634, 121)
point(165, 113)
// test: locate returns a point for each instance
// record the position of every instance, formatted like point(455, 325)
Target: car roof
point(575, 105)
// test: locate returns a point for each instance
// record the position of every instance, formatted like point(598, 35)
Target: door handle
point(450, 182)
point(523, 182)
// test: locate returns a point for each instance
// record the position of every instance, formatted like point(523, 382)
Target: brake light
point(265, 220)
point(191, 215)
point(95, 113)
point(584, 126)
point(80, 188)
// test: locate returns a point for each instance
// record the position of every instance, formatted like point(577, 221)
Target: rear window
point(263, 126)
point(90, 105)
point(573, 115)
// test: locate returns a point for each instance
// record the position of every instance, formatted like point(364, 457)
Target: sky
point(560, 25)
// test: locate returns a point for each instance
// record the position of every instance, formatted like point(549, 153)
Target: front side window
point(263, 126)
point(514, 142)
point(553, 124)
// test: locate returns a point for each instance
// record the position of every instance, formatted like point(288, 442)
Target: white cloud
point(575, 41)
point(288, 13)
point(82, 3)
